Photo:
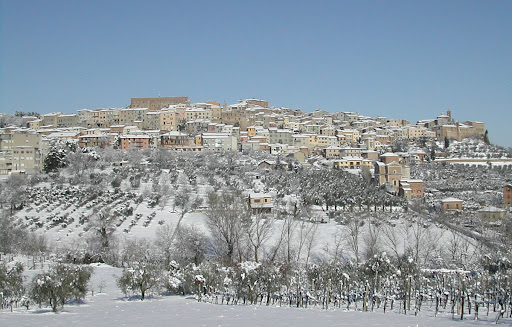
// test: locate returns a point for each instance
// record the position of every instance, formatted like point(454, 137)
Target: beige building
point(390, 173)
point(21, 150)
point(26, 158)
point(160, 120)
point(460, 131)
point(217, 142)
point(451, 204)
point(491, 214)
point(50, 119)
point(198, 113)
point(101, 140)
point(351, 163)
point(131, 116)
point(64, 121)
point(260, 203)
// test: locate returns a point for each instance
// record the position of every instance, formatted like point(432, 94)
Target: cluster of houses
point(348, 139)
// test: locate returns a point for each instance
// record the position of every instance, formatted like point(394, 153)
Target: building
point(21, 150)
point(136, 141)
point(352, 163)
point(217, 142)
point(411, 188)
point(260, 203)
point(130, 116)
point(157, 103)
point(451, 204)
point(67, 121)
point(175, 140)
point(101, 140)
point(507, 195)
point(460, 131)
point(390, 173)
point(491, 214)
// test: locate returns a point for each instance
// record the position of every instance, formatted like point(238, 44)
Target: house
point(507, 195)
point(390, 173)
point(411, 188)
point(270, 164)
point(217, 142)
point(260, 202)
point(451, 204)
point(351, 163)
point(174, 140)
point(491, 214)
point(389, 157)
point(136, 141)
point(95, 140)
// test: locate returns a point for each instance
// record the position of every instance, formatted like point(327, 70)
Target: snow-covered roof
point(389, 154)
point(491, 209)
point(451, 199)
point(259, 195)
point(138, 136)
point(411, 181)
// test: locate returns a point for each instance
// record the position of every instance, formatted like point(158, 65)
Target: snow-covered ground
point(110, 308)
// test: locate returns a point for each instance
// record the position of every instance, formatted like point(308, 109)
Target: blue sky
point(410, 59)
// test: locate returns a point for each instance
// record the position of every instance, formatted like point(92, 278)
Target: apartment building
point(160, 120)
point(64, 121)
point(198, 114)
point(101, 140)
point(217, 142)
point(411, 188)
point(283, 136)
point(130, 116)
point(21, 149)
point(135, 141)
point(50, 119)
point(175, 140)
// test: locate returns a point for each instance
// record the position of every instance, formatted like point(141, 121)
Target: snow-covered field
point(110, 308)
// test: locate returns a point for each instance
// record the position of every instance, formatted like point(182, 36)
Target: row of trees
point(380, 283)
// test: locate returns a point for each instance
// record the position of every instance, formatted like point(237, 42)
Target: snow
point(110, 308)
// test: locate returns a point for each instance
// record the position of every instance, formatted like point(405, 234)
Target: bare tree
point(391, 239)
point(371, 240)
point(306, 232)
point(337, 251)
point(258, 230)
point(225, 217)
point(353, 234)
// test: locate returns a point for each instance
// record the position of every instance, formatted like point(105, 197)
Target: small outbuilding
point(451, 204)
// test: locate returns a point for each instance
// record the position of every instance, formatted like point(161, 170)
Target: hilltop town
point(349, 138)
